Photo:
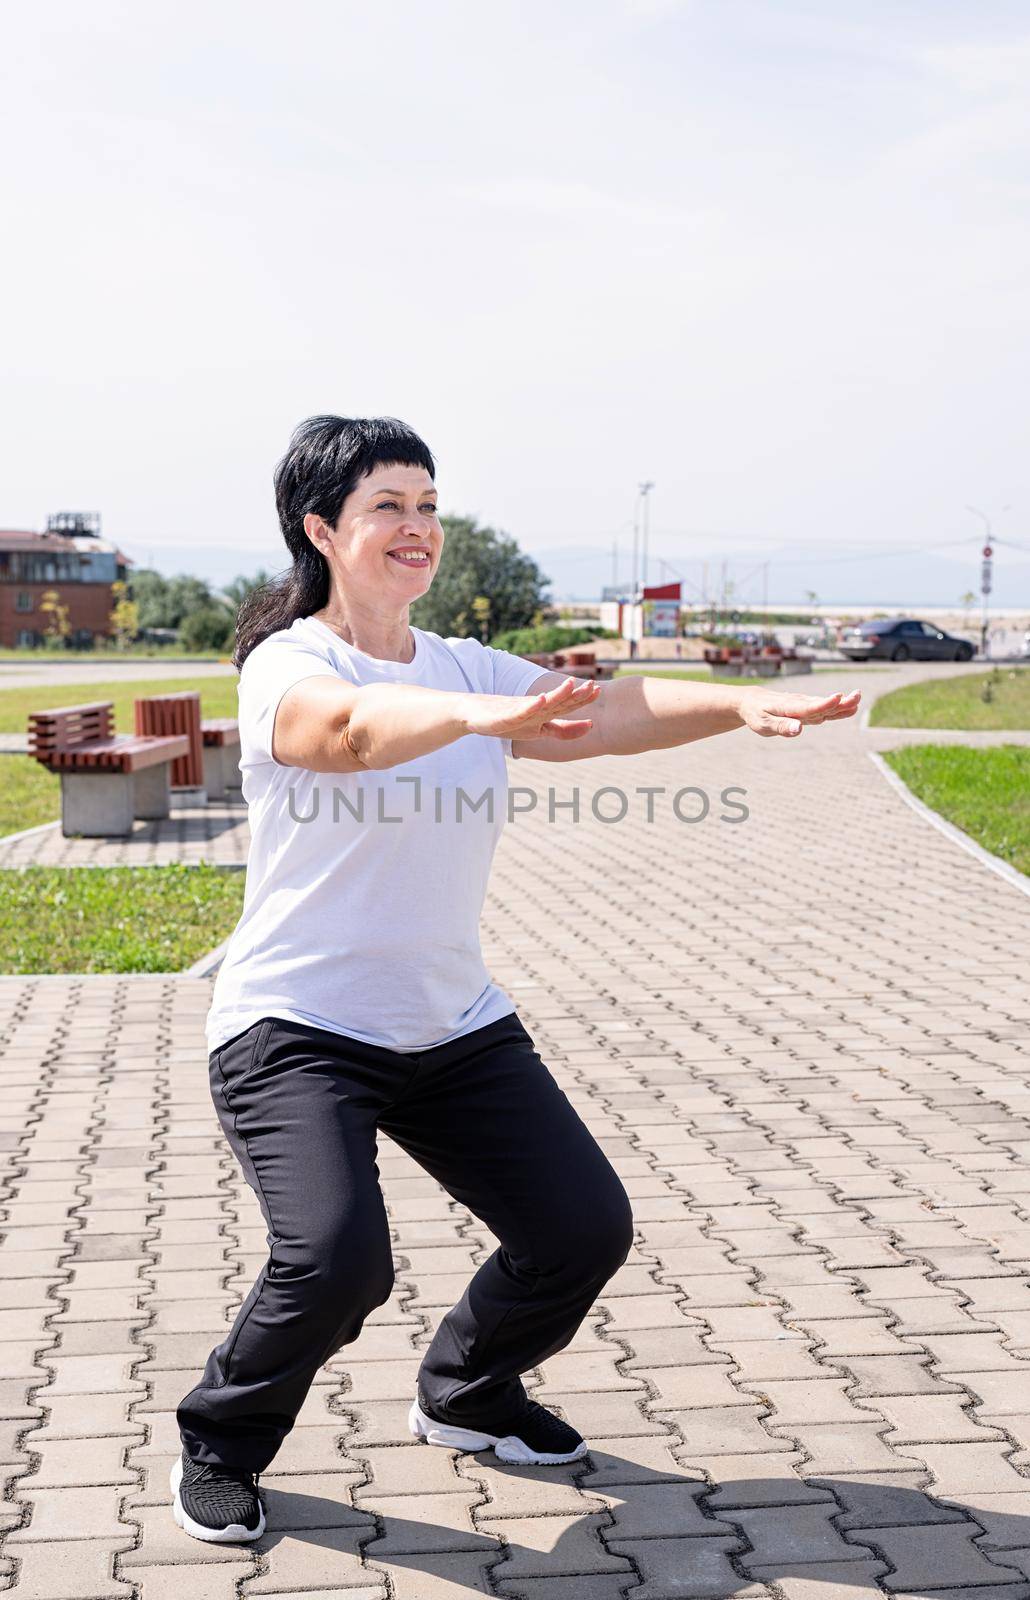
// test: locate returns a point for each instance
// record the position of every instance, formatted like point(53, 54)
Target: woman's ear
point(317, 531)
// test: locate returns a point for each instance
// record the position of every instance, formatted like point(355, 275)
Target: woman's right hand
point(532, 716)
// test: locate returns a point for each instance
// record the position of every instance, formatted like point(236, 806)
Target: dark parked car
point(891, 639)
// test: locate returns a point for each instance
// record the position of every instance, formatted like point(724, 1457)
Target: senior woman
point(353, 996)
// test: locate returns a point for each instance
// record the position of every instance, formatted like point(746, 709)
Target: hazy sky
point(774, 256)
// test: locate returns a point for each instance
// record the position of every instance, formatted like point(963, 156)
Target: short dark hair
point(326, 458)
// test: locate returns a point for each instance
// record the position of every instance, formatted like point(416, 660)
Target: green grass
point(114, 919)
point(793, 681)
point(985, 792)
point(152, 652)
point(29, 794)
point(688, 673)
point(217, 698)
point(957, 702)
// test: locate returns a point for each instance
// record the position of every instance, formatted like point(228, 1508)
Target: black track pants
point(300, 1107)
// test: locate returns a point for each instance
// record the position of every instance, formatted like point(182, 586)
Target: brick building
point(71, 558)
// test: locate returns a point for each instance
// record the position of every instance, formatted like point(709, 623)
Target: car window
point(911, 627)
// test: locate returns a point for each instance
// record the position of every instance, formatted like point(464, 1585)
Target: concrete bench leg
point(98, 805)
point(153, 792)
point(215, 771)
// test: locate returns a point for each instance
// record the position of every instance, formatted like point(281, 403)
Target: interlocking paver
point(324, 1558)
point(813, 1352)
point(808, 1534)
point(941, 1556)
point(68, 1513)
point(647, 1511)
point(80, 1569)
point(698, 1568)
point(220, 1582)
point(546, 1547)
point(77, 1463)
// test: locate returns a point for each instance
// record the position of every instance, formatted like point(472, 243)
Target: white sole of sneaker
point(508, 1448)
point(235, 1533)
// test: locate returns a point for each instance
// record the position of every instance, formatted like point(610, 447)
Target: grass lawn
point(29, 794)
point(217, 698)
point(693, 675)
point(793, 683)
point(703, 675)
point(139, 652)
point(984, 792)
point(957, 702)
point(115, 919)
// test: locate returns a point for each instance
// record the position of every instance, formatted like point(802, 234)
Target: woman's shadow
point(675, 1533)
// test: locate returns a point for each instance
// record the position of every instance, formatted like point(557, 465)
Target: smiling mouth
point(410, 558)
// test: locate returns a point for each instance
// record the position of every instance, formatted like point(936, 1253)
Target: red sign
point(988, 552)
point(663, 591)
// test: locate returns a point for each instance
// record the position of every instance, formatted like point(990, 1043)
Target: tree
point(207, 628)
point(242, 586)
point(164, 602)
point(967, 600)
point(481, 609)
point(124, 617)
point(58, 628)
point(149, 589)
point(476, 563)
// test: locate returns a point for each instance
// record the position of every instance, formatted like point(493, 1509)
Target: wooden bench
point(107, 779)
point(221, 736)
point(752, 660)
point(177, 715)
point(576, 663)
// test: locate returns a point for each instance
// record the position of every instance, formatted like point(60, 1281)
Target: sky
point(774, 257)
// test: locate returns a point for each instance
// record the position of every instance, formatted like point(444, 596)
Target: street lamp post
point(645, 490)
point(634, 576)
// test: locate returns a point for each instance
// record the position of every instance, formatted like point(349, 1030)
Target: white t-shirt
point(364, 889)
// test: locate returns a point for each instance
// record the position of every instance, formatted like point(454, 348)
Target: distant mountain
point(217, 564)
point(578, 572)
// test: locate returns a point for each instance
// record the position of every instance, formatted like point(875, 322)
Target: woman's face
point(387, 541)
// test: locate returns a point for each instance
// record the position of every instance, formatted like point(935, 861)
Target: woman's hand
point(533, 716)
point(769, 712)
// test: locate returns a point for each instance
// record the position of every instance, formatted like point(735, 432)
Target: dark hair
point(325, 459)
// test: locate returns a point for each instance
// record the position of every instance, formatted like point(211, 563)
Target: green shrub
point(208, 628)
point(535, 641)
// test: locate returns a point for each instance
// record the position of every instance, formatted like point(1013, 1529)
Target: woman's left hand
point(771, 713)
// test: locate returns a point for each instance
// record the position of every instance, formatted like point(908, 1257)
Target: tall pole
point(634, 577)
point(985, 573)
point(645, 490)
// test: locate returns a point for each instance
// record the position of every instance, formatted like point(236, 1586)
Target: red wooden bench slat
point(64, 711)
point(176, 715)
point(126, 753)
point(68, 727)
point(220, 731)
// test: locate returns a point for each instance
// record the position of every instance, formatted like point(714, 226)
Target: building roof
point(14, 539)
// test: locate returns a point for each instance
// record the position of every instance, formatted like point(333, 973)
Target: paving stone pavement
point(215, 833)
point(802, 1040)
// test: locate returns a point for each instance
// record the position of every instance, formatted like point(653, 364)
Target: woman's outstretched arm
point(326, 724)
point(640, 712)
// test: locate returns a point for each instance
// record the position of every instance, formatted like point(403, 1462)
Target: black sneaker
point(535, 1436)
point(216, 1505)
